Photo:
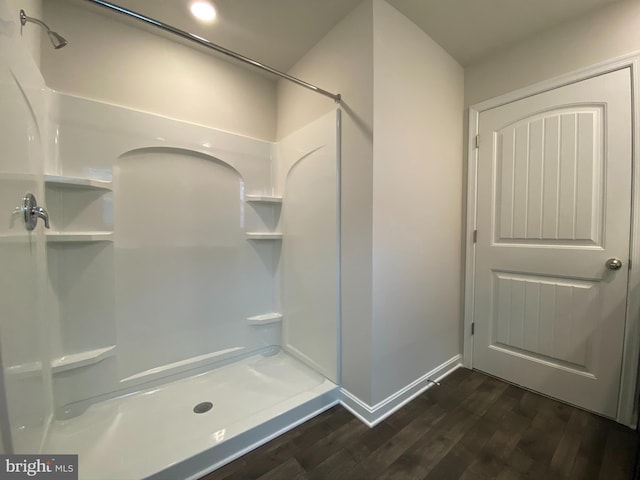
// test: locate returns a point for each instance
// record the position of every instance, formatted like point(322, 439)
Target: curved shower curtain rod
point(214, 46)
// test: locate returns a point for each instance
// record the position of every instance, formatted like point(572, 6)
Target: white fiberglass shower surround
point(184, 304)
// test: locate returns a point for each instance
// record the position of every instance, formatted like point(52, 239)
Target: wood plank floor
point(472, 427)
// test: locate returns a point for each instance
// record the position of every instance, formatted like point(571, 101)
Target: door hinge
point(477, 141)
point(473, 328)
point(629, 264)
point(475, 236)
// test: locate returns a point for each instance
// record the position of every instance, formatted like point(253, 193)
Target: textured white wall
point(606, 33)
point(343, 62)
point(116, 62)
point(417, 202)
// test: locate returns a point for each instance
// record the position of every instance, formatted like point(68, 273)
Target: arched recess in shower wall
point(188, 287)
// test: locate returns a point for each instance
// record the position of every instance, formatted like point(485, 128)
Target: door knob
point(614, 264)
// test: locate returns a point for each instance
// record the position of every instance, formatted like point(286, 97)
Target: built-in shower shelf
point(24, 370)
point(79, 237)
point(264, 199)
point(265, 319)
point(19, 177)
point(77, 182)
point(64, 363)
point(264, 236)
point(82, 359)
point(15, 238)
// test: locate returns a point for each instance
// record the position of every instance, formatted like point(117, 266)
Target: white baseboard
point(371, 416)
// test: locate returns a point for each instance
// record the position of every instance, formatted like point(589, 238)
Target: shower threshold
point(172, 432)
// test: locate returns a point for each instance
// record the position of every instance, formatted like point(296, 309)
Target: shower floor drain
point(203, 407)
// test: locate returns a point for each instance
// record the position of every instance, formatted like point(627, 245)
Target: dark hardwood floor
point(472, 427)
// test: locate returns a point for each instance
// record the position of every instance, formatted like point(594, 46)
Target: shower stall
point(183, 305)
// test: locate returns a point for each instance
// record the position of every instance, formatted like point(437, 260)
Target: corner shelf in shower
point(15, 238)
point(24, 370)
point(64, 363)
point(265, 319)
point(79, 237)
point(81, 359)
point(77, 182)
point(264, 236)
point(271, 199)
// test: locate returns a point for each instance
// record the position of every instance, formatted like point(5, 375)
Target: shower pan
point(183, 306)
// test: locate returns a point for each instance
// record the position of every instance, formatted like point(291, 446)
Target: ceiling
point(275, 32)
point(472, 29)
point(279, 32)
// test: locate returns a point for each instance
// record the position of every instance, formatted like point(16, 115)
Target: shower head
point(57, 40)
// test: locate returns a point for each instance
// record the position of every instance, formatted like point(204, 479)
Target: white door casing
point(553, 204)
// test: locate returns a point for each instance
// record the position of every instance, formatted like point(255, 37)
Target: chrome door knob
point(614, 264)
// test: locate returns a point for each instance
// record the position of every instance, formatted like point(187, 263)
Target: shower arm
point(57, 40)
point(218, 48)
point(24, 19)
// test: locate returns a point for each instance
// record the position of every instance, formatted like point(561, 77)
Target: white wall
point(412, 183)
point(417, 196)
point(177, 278)
point(115, 62)
point(31, 33)
point(342, 62)
point(25, 383)
point(307, 168)
point(401, 193)
point(606, 33)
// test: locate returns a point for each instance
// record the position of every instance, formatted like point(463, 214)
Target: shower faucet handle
point(40, 212)
point(32, 212)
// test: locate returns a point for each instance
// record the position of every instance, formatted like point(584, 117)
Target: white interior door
point(553, 206)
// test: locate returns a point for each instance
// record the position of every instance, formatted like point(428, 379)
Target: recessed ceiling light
point(203, 11)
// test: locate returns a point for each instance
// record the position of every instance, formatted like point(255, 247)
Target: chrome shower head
point(57, 40)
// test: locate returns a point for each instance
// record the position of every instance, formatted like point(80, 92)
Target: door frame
point(627, 413)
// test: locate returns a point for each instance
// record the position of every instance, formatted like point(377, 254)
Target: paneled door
point(552, 252)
